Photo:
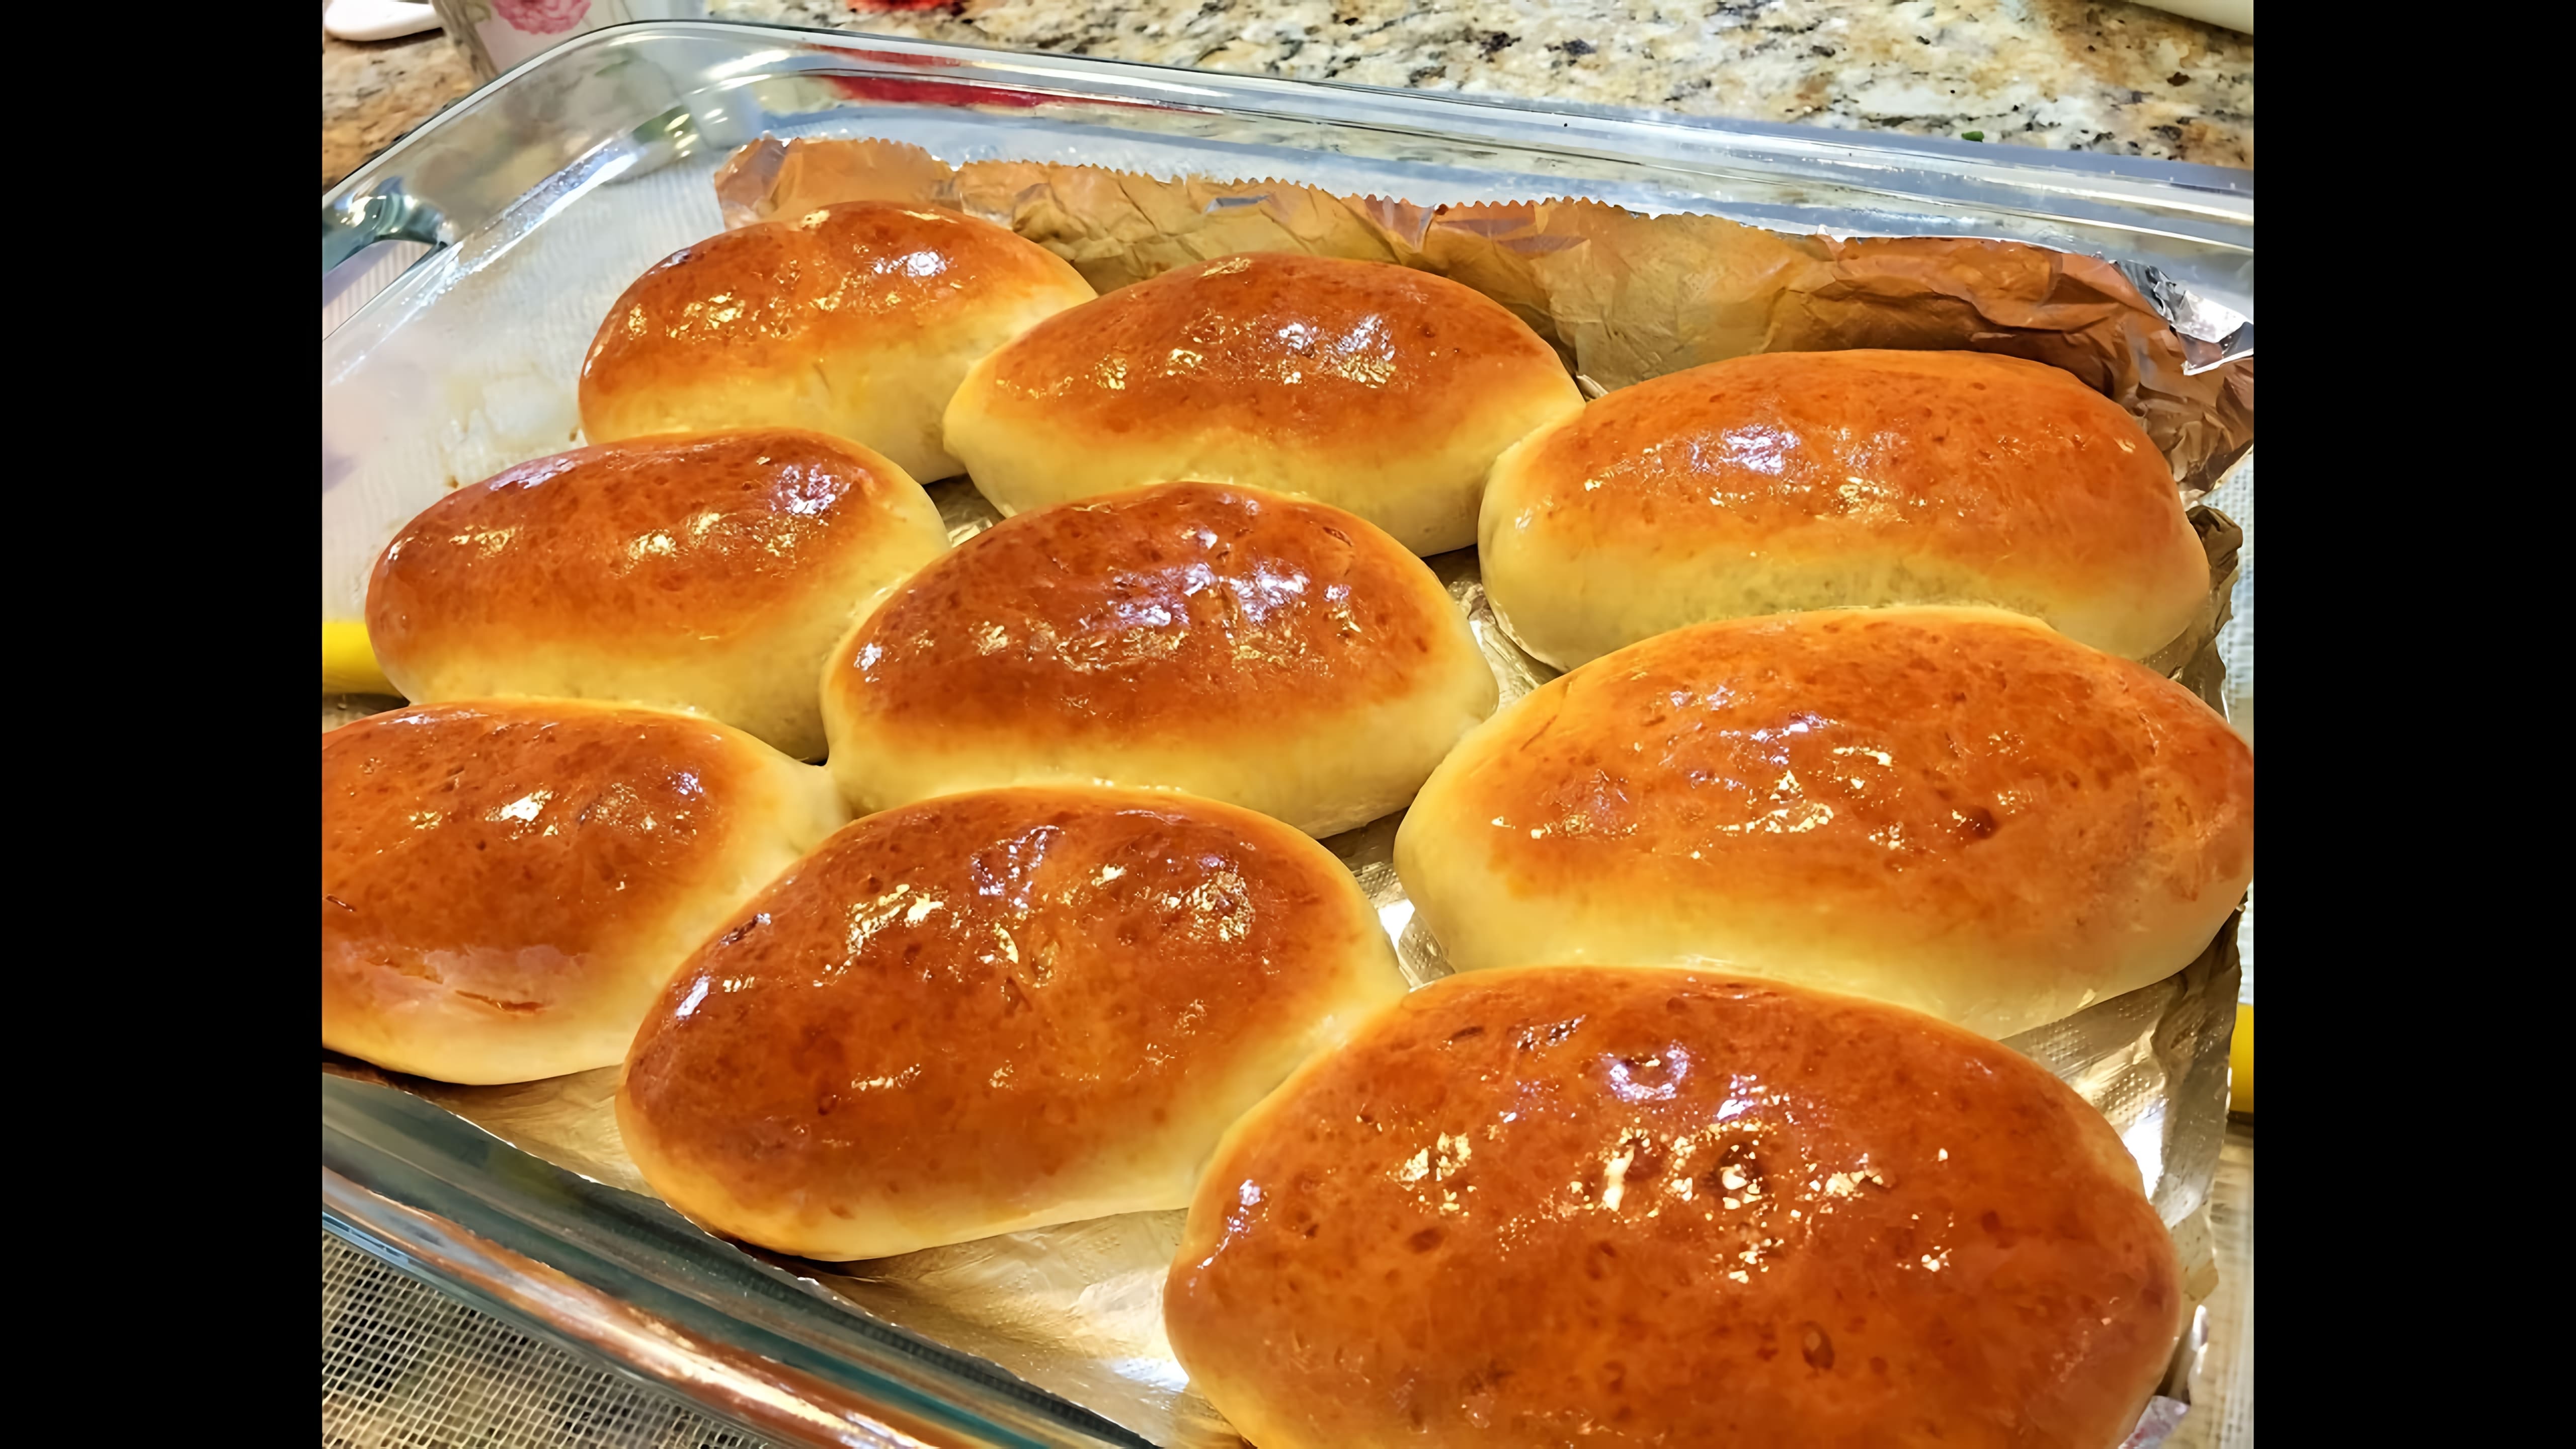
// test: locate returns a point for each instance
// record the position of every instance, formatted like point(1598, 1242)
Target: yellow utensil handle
point(2240, 1063)
point(349, 662)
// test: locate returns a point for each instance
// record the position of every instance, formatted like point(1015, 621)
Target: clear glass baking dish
point(541, 195)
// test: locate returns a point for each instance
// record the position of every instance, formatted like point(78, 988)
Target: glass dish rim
point(2222, 196)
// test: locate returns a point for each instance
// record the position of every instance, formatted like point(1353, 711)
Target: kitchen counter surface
point(2055, 73)
point(2062, 74)
point(374, 94)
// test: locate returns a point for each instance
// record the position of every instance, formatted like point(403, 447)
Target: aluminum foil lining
point(1077, 1309)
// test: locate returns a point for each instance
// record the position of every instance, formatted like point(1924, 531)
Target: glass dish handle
point(386, 212)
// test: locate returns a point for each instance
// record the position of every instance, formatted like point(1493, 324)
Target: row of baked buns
point(1701, 1144)
point(951, 346)
point(1955, 810)
point(1689, 1206)
point(1241, 645)
point(1754, 486)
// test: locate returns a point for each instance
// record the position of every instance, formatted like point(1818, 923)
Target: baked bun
point(993, 1012)
point(1234, 644)
point(710, 572)
point(1637, 1207)
point(1369, 386)
point(505, 885)
point(1956, 810)
point(857, 319)
point(1815, 480)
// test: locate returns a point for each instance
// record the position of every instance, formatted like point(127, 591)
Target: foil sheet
point(1077, 1309)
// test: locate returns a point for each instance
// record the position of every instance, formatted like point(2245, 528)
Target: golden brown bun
point(1639, 1207)
point(1369, 386)
point(1816, 480)
point(858, 319)
point(993, 1012)
point(1243, 646)
point(1955, 810)
point(505, 885)
point(710, 572)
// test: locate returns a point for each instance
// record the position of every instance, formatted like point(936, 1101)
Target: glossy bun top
point(993, 1011)
point(1649, 1207)
point(709, 572)
point(1160, 611)
point(857, 319)
point(505, 884)
point(691, 539)
point(1308, 351)
point(1375, 388)
point(1275, 652)
point(1807, 480)
point(1958, 810)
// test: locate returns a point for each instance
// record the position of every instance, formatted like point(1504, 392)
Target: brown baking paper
point(1621, 296)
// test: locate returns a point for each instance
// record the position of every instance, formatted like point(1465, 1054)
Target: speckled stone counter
point(374, 94)
point(2053, 73)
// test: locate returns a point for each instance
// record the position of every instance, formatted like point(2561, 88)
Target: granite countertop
point(373, 95)
point(2061, 74)
point(2056, 73)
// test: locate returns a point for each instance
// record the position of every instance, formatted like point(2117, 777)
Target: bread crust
point(1650, 1207)
point(995, 1011)
point(1801, 480)
point(1373, 387)
point(1958, 810)
point(1232, 643)
point(506, 884)
point(857, 319)
point(710, 572)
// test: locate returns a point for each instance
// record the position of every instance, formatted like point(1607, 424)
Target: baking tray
point(541, 195)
